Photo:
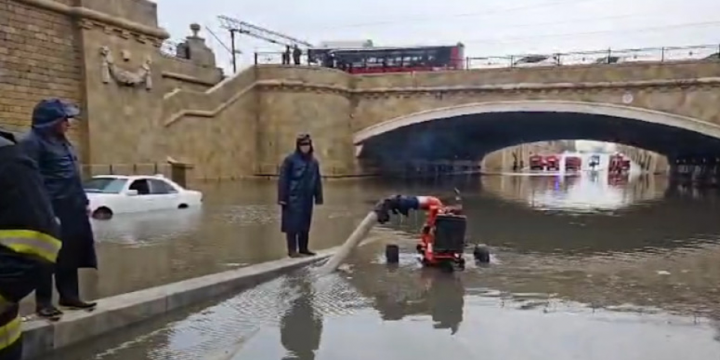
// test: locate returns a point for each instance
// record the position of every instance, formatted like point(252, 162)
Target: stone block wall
point(52, 48)
point(40, 57)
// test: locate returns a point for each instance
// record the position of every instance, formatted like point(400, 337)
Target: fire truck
point(618, 164)
point(552, 163)
point(573, 163)
point(537, 162)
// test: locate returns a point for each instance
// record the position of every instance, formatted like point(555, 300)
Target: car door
point(143, 201)
point(163, 195)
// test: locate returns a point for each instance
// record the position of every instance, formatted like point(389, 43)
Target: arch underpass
point(470, 132)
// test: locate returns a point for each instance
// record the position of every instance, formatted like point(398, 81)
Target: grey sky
point(491, 27)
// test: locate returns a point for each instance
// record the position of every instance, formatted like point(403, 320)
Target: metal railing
point(606, 56)
point(276, 58)
point(169, 48)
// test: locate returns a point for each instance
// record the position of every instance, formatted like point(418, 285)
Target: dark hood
point(49, 112)
point(304, 139)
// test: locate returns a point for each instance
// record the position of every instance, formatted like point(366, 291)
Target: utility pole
point(235, 26)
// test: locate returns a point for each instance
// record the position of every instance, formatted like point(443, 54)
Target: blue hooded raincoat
point(58, 163)
point(299, 189)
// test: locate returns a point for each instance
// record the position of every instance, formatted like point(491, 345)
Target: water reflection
point(369, 310)
point(237, 225)
point(587, 267)
point(301, 326)
point(590, 192)
point(140, 229)
point(441, 295)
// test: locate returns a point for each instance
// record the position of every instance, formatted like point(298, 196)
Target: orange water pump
point(442, 238)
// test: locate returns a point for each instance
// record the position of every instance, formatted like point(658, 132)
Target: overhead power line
point(471, 14)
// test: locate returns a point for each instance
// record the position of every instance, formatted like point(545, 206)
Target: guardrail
point(607, 56)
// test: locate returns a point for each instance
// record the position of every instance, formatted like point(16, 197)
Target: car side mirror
point(131, 193)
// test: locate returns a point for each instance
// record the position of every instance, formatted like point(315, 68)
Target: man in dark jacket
point(296, 54)
point(28, 239)
point(299, 188)
point(48, 145)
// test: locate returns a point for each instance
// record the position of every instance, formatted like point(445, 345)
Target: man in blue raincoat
point(55, 156)
point(299, 189)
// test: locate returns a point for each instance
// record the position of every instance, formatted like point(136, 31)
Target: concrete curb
point(42, 337)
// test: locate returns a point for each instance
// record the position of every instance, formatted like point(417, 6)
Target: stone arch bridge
point(143, 105)
point(665, 108)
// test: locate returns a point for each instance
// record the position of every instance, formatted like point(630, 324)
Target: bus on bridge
point(369, 60)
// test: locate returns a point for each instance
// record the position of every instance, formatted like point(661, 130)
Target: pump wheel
point(481, 254)
point(392, 254)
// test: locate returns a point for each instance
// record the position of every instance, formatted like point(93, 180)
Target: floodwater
point(583, 268)
point(238, 225)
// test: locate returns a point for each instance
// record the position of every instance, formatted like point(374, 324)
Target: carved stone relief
point(111, 71)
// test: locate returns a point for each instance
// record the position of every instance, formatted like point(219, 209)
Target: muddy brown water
point(582, 268)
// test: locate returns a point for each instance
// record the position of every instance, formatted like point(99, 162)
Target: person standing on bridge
point(286, 56)
point(28, 239)
point(296, 54)
point(48, 145)
point(299, 189)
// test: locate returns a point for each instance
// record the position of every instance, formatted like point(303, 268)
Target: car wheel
point(102, 213)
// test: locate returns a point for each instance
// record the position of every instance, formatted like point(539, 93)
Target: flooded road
point(583, 268)
point(238, 225)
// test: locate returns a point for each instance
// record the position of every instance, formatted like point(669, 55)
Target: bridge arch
point(542, 106)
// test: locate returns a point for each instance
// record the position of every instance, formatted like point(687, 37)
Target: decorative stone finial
point(195, 28)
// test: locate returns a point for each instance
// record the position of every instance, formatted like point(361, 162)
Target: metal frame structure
point(235, 26)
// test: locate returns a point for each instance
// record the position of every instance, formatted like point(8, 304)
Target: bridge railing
point(174, 49)
point(606, 56)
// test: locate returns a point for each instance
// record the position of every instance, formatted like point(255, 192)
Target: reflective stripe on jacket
point(30, 242)
point(10, 332)
point(11, 345)
point(28, 239)
point(27, 222)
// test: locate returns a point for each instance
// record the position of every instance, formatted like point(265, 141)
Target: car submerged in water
point(117, 194)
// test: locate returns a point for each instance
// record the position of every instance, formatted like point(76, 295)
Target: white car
point(115, 194)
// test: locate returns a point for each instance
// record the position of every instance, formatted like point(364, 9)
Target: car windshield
point(104, 185)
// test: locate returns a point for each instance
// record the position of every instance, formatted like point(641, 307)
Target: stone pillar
point(119, 47)
point(196, 50)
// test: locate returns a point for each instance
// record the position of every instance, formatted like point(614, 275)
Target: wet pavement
point(583, 268)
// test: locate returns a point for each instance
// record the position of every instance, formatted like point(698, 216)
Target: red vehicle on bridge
point(552, 162)
point(537, 162)
point(573, 163)
point(370, 60)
